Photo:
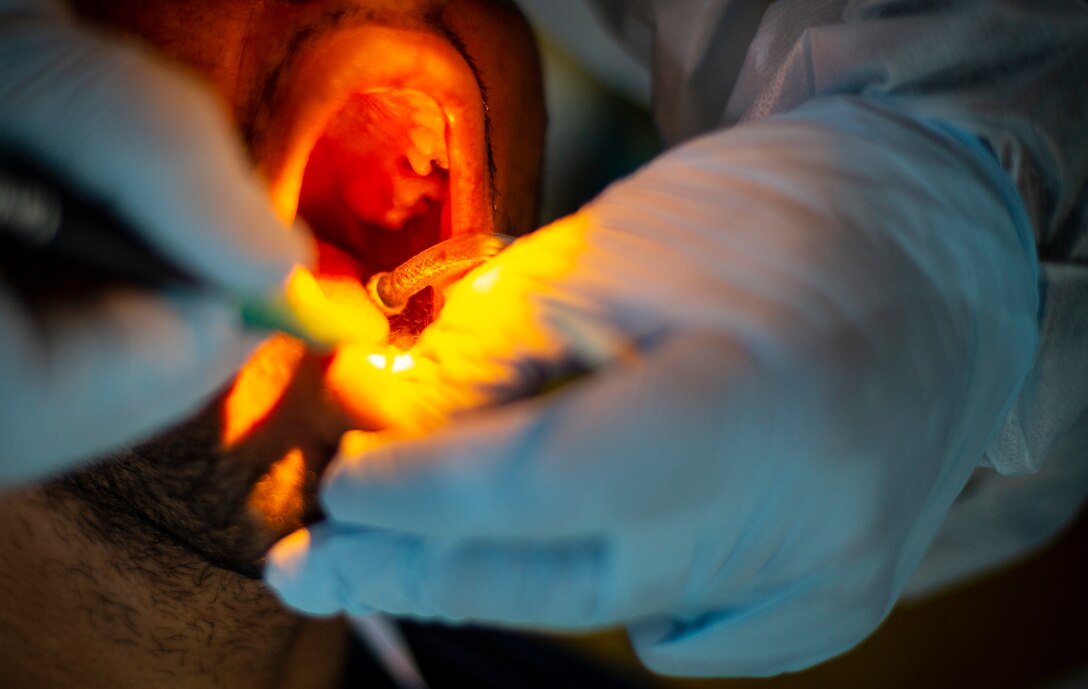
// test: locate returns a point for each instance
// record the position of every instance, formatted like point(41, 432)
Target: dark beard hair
point(181, 490)
point(167, 494)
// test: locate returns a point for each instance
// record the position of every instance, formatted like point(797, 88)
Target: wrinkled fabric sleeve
point(1011, 74)
point(1008, 73)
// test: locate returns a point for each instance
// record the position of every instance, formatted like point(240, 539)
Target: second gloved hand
point(815, 323)
point(145, 138)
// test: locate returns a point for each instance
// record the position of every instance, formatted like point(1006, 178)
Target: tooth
point(430, 119)
point(420, 161)
point(424, 139)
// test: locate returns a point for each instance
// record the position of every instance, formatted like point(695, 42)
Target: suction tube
point(391, 290)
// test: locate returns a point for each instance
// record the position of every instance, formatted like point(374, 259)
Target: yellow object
point(384, 388)
point(323, 313)
point(467, 358)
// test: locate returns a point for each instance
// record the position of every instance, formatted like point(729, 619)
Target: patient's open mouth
point(378, 141)
point(376, 192)
point(385, 151)
point(377, 182)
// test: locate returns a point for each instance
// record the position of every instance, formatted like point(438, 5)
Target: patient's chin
point(233, 480)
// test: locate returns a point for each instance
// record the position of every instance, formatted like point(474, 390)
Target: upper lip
point(372, 59)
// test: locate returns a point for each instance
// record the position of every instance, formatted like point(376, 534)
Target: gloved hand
point(148, 139)
point(817, 322)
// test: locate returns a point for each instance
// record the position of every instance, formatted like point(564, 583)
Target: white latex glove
point(827, 314)
point(152, 142)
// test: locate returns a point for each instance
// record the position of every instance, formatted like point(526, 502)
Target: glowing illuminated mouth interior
point(377, 184)
point(388, 152)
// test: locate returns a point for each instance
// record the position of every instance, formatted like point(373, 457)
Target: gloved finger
point(612, 448)
point(82, 382)
point(327, 569)
point(801, 625)
point(145, 138)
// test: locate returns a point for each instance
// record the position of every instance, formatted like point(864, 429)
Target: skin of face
point(148, 562)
